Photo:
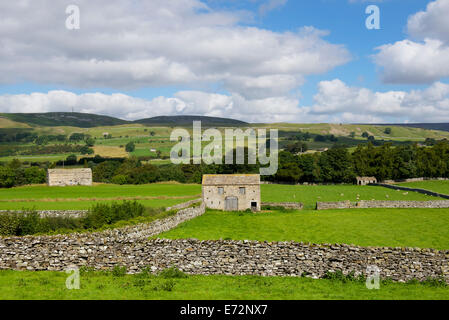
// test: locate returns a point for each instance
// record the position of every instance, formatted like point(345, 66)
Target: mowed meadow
point(47, 285)
point(168, 194)
point(425, 228)
point(440, 186)
point(83, 197)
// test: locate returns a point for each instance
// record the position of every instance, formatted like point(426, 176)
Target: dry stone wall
point(184, 205)
point(52, 213)
point(334, 205)
point(285, 205)
point(366, 204)
point(222, 257)
point(130, 247)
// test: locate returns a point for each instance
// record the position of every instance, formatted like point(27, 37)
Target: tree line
point(336, 165)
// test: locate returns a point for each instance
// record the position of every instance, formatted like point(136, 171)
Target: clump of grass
point(172, 273)
point(119, 271)
point(344, 278)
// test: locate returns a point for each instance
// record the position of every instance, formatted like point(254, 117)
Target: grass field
point(100, 191)
point(101, 286)
point(309, 195)
point(81, 197)
point(425, 228)
point(84, 205)
point(440, 186)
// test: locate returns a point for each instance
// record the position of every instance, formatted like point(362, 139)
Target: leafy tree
point(387, 131)
point(76, 137)
point(90, 142)
point(130, 147)
point(35, 175)
point(71, 160)
point(86, 150)
point(7, 177)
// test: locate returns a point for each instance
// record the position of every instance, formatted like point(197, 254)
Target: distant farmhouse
point(69, 177)
point(363, 181)
point(237, 192)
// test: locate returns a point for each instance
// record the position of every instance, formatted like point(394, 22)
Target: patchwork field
point(424, 228)
point(432, 185)
point(101, 285)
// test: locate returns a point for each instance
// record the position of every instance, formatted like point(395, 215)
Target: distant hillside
point(72, 119)
point(86, 120)
point(428, 126)
point(183, 121)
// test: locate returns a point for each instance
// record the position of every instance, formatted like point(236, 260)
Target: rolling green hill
point(86, 120)
point(56, 119)
point(183, 121)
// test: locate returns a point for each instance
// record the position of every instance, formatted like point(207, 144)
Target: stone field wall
point(366, 204)
point(285, 205)
point(131, 247)
point(52, 213)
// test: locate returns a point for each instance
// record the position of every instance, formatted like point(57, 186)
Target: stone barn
point(363, 181)
point(69, 177)
point(236, 192)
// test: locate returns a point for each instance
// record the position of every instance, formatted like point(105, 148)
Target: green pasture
point(45, 285)
point(440, 186)
point(311, 194)
point(101, 191)
point(424, 228)
point(81, 197)
point(84, 205)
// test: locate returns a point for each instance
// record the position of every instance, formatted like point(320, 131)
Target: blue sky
point(136, 59)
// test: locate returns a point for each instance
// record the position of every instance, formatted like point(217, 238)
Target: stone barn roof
point(366, 178)
point(231, 179)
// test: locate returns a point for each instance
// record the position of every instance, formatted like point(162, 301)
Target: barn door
point(231, 204)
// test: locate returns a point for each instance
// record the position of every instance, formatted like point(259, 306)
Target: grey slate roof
point(231, 179)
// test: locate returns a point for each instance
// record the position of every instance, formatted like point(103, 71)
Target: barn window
point(220, 190)
point(242, 190)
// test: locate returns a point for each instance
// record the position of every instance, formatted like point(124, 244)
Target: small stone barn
point(236, 192)
point(363, 181)
point(69, 177)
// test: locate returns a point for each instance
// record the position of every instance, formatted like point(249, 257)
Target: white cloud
point(156, 43)
point(184, 102)
point(335, 102)
point(342, 103)
point(432, 23)
point(425, 59)
point(414, 62)
point(270, 5)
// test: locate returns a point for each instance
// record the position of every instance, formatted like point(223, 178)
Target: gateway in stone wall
point(69, 177)
point(236, 192)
